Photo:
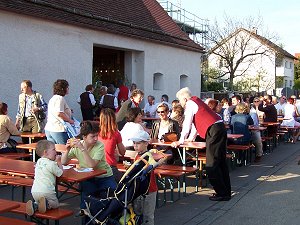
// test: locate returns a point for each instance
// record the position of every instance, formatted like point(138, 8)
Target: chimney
point(254, 30)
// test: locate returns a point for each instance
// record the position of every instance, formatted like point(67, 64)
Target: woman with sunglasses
point(164, 124)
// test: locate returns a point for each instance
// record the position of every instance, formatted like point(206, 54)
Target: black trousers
point(87, 114)
point(216, 167)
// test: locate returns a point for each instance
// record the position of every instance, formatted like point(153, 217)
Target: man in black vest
point(87, 102)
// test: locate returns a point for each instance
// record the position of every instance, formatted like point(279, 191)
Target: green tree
point(234, 47)
point(214, 86)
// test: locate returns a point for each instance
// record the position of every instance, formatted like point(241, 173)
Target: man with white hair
point(209, 126)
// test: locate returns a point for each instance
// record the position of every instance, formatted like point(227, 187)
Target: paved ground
point(264, 193)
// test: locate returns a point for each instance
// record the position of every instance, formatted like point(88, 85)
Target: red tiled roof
point(144, 19)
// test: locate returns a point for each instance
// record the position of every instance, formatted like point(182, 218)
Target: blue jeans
point(57, 137)
point(94, 185)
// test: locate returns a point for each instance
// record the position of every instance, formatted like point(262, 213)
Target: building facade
point(43, 41)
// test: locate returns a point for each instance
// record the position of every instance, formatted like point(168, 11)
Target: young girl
point(90, 154)
point(47, 168)
point(111, 138)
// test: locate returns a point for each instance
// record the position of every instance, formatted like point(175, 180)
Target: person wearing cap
point(140, 142)
point(210, 127)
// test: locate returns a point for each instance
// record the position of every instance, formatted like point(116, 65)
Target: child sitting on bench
point(47, 168)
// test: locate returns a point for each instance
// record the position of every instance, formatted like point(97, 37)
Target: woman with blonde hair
point(110, 136)
point(240, 123)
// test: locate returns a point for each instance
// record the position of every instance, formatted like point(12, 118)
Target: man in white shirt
point(150, 107)
point(87, 102)
point(280, 105)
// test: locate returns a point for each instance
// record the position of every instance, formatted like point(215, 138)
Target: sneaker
point(30, 208)
point(42, 205)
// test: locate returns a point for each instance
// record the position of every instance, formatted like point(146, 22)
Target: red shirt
point(123, 94)
point(110, 147)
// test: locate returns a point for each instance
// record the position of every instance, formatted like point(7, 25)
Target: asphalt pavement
point(263, 193)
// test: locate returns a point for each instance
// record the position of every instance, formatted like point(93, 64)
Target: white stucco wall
point(43, 51)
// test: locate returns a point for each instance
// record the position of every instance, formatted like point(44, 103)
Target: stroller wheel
point(80, 213)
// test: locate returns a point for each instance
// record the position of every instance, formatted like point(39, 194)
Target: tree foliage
point(297, 75)
point(214, 86)
point(233, 45)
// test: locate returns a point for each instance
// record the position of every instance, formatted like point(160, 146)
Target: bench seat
point(12, 221)
point(16, 155)
point(51, 214)
point(245, 149)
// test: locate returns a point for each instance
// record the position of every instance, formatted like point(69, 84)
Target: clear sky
point(281, 17)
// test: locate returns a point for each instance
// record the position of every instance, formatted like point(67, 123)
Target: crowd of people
point(120, 122)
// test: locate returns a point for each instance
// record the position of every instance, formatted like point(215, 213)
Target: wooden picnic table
point(234, 136)
point(185, 146)
point(32, 147)
point(31, 136)
point(7, 205)
point(269, 123)
point(68, 179)
point(251, 127)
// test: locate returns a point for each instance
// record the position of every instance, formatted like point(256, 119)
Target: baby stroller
point(134, 183)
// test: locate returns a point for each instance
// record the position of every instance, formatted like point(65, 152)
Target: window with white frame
point(291, 83)
point(291, 65)
point(286, 64)
point(158, 81)
point(183, 81)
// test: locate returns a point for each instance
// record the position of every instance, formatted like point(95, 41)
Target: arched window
point(158, 81)
point(183, 81)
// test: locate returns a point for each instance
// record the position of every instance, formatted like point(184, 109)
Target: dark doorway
point(108, 65)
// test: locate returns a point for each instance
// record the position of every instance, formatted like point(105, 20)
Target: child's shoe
point(30, 207)
point(42, 205)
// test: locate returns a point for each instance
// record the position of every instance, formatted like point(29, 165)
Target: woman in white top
point(134, 125)
point(58, 111)
point(290, 112)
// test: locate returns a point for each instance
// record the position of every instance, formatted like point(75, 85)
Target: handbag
point(73, 130)
point(170, 137)
point(41, 115)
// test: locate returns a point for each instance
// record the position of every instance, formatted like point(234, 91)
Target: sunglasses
point(160, 112)
point(256, 101)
